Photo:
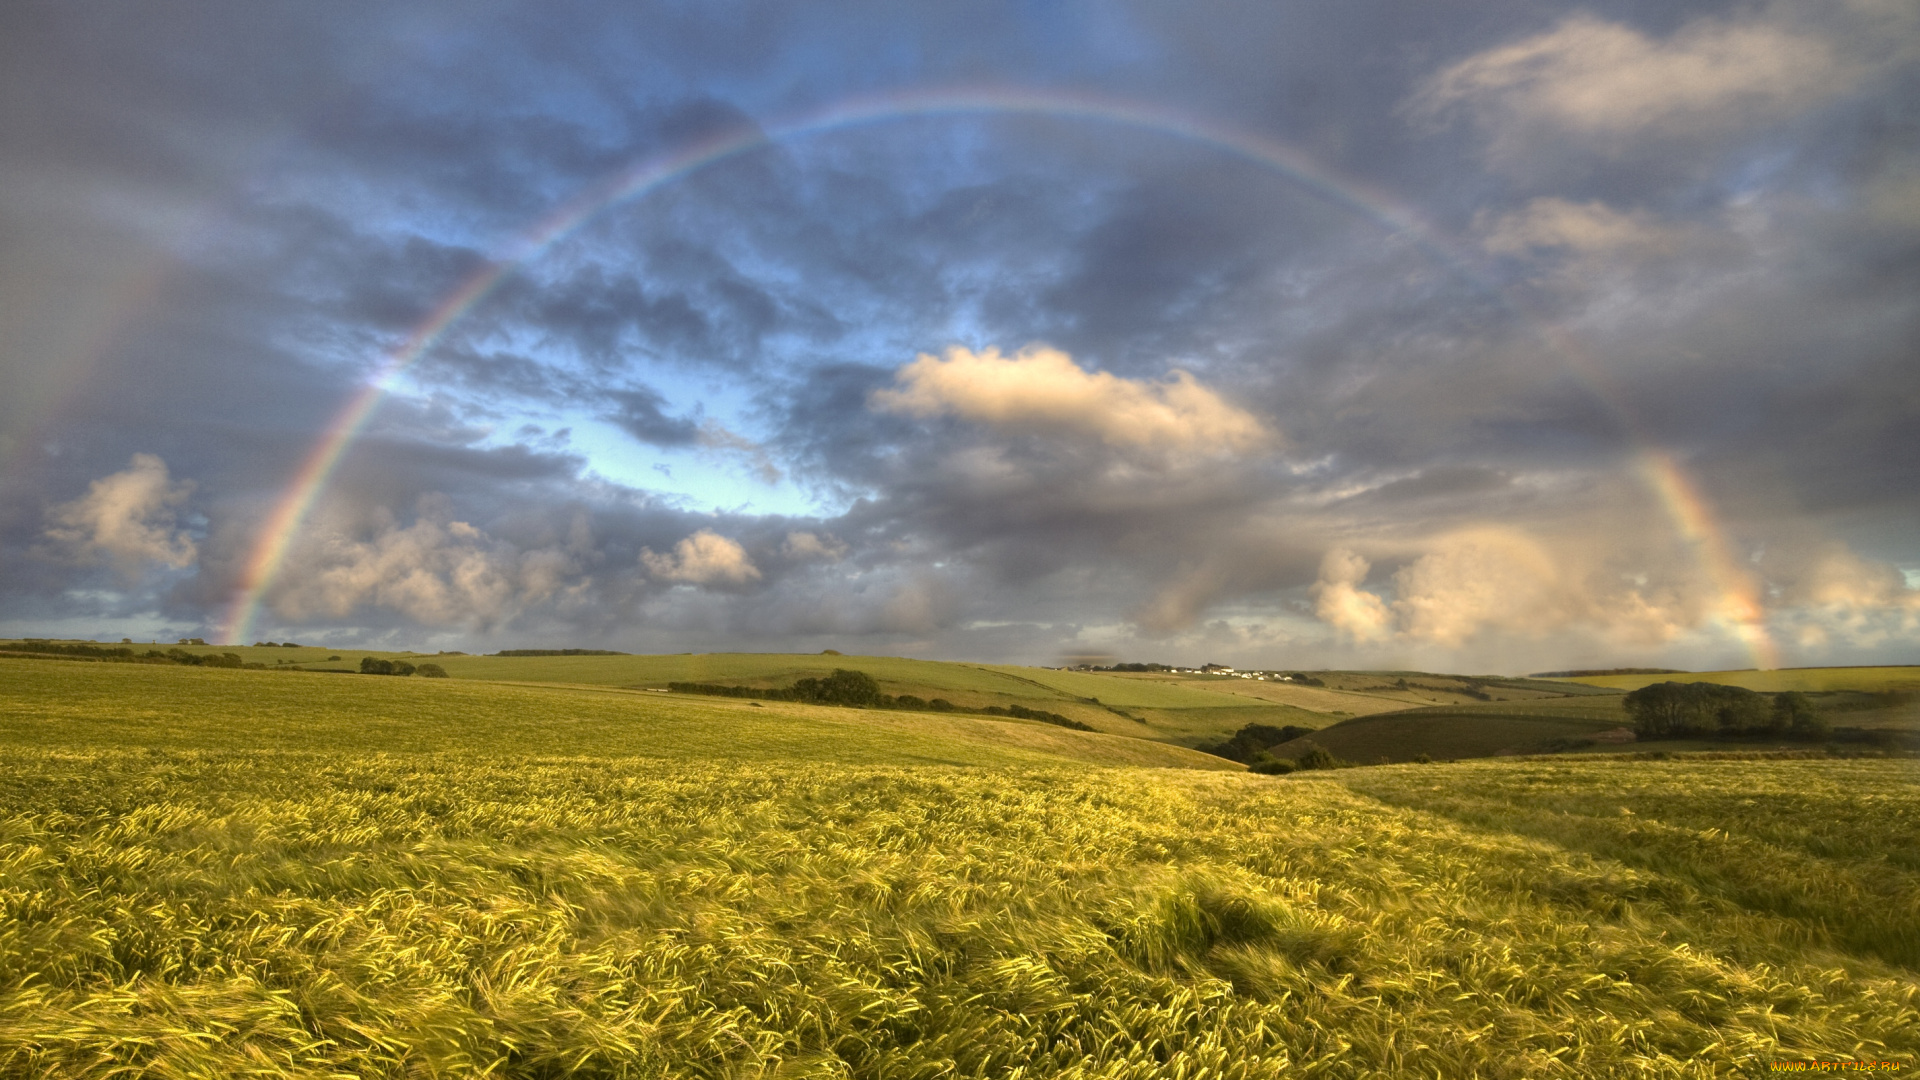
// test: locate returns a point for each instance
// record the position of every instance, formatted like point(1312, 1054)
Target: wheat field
point(320, 907)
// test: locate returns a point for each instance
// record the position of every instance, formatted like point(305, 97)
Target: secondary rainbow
point(289, 513)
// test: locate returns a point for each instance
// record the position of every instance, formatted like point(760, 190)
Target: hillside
point(1183, 709)
point(1449, 732)
point(78, 705)
point(1871, 679)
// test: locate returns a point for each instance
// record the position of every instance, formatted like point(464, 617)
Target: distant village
point(1204, 669)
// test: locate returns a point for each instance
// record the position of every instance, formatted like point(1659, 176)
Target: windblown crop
point(308, 914)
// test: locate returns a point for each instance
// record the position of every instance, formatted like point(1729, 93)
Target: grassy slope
point(768, 669)
point(1166, 711)
point(1194, 708)
point(1184, 710)
point(1463, 731)
point(1803, 679)
point(226, 873)
point(1827, 842)
point(61, 704)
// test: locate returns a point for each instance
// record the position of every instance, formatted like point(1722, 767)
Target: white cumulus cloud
point(1340, 602)
point(130, 518)
point(1604, 83)
point(1481, 578)
point(1498, 580)
point(438, 573)
point(1041, 390)
point(705, 558)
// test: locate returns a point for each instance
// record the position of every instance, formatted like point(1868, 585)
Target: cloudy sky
point(1473, 336)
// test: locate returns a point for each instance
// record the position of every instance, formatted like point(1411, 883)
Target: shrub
point(559, 652)
point(1317, 757)
point(1252, 741)
point(843, 687)
point(430, 671)
point(1021, 712)
point(1793, 713)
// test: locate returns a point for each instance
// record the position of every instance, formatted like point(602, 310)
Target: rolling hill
point(1449, 732)
point(166, 707)
point(1806, 680)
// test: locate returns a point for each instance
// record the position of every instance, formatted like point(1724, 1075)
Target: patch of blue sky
point(697, 477)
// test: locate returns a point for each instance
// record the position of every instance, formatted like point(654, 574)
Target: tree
point(1672, 710)
point(1317, 757)
point(1251, 741)
point(1794, 714)
point(843, 687)
point(1739, 711)
point(430, 671)
point(1669, 710)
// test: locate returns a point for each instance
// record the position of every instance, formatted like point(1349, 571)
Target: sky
point(1488, 336)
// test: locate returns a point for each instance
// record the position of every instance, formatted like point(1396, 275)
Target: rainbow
point(289, 513)
point(1740, 607)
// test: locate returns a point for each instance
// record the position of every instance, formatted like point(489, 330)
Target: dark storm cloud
point(639, 414)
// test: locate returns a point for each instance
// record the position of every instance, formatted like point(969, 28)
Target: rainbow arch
point(1690, 511)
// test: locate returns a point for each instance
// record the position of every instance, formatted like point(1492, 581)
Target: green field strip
point(1832, 846)
point(57, 704)
point(1873, 679)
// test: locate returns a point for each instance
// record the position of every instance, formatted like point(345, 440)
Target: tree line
point(858, 690)
point(1674, 710)
point(1253, 745)
point(374, 665)
point(559, 652)
point(122, 654)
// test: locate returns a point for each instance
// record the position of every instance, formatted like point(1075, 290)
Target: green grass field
point(1182, 709)
point(215, 873)
point(1871, 679)
point(1466, 731)
point(81, 705)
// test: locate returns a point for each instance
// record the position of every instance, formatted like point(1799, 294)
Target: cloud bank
point(781, 400)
